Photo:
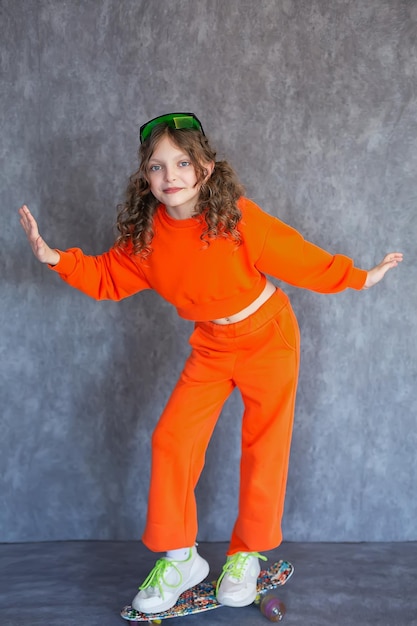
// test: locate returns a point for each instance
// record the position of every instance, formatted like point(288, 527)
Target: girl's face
point(173, 180)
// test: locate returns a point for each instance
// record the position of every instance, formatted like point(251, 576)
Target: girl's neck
point(180, 212)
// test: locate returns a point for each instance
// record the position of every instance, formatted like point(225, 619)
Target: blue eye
point(155, 168)
point(184, 163)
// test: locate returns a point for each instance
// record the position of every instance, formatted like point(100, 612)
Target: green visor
point(174, 120)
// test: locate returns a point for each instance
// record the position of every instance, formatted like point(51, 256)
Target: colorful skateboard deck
point(202, 597)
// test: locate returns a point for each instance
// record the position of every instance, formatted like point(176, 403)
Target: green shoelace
point(156, 577)
point(235, 565)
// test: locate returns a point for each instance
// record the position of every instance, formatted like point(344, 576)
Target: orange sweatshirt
point(209, 282)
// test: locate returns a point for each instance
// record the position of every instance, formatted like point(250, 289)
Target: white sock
point(181, 554)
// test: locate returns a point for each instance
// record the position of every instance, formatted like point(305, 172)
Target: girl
point(187, 231)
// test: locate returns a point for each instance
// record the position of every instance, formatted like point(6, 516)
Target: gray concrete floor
point(87, 583)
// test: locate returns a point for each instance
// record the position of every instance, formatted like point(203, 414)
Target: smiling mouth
point(172, 189)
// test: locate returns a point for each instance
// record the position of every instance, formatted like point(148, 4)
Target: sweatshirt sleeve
point(286, 255)
point(113, 275)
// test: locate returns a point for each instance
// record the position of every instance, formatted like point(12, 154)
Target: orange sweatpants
point(260, 356)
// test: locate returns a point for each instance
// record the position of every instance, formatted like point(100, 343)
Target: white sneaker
point(237, 583)
point(167, 580)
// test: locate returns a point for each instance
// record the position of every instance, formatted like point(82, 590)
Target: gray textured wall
point(314, 102)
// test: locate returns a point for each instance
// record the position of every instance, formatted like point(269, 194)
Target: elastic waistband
point(262, 316)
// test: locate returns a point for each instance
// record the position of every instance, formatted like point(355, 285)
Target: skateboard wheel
point(272, 608)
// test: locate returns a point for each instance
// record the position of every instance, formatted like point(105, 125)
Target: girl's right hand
point(40, 249)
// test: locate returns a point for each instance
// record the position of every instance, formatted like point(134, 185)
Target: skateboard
point(202, 597)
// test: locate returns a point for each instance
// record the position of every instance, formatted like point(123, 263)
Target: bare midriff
point(267, 292)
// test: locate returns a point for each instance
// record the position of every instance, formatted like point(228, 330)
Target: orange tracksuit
point(259, 355)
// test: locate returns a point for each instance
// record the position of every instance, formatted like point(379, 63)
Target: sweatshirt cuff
point(66, 263)
point(357, 278)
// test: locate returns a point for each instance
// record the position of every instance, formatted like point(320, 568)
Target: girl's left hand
point(378, 272)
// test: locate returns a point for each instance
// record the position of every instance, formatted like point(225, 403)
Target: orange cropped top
point(209, 281)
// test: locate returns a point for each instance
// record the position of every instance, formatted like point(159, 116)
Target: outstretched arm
point(40, 248)
point(114, 275)
point(378, 272)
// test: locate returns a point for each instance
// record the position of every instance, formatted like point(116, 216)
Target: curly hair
point(216, 201)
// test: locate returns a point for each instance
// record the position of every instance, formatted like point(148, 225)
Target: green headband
point(174, 120)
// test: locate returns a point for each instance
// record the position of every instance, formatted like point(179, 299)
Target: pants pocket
point(287, 327)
